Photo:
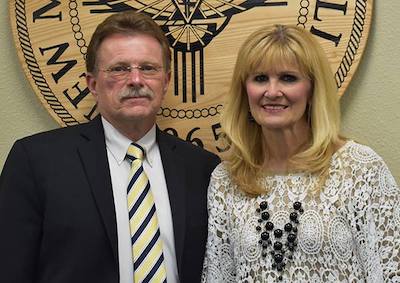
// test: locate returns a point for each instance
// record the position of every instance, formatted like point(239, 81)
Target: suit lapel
point(94, 158)
point(175, 176)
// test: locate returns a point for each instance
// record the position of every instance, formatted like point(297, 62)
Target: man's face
point(130, 82)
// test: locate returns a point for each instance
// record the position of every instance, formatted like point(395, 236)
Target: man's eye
point(148, 68)
point(118, 69)
point(260, 78)
point(288, 78)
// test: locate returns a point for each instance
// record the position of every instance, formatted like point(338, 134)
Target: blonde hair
point(271, 47)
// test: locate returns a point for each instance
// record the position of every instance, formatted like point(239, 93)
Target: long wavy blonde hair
point(270, 47)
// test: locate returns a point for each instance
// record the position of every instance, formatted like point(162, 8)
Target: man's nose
point(135, 77)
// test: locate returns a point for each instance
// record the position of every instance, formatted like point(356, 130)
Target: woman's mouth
point(275, 107)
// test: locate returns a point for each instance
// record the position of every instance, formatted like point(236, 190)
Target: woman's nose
point(273, 89)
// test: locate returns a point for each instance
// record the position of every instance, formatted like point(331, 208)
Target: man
point(64, 212)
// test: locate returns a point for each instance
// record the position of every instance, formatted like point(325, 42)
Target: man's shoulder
point(57, 136)
point(184, 147)
point(187, 150)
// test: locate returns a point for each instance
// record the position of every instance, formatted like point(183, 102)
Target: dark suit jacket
point(57, 213)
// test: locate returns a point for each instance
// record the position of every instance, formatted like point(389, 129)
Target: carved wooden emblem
point(52, 36)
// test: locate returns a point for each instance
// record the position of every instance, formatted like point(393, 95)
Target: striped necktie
point(148, 259)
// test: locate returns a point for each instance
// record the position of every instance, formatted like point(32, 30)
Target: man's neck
point(133, 130)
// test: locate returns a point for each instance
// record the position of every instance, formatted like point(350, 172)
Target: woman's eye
point(288, 78)
point(260, 78)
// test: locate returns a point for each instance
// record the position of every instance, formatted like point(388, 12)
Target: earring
point(309, 113)
point(250, 117)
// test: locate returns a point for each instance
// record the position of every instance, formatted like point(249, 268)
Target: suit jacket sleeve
point(20, 218)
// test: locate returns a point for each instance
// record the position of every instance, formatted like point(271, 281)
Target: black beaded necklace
point(280, 251)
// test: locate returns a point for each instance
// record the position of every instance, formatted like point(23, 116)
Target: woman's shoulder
point(357, 152)
point(221, 175)
point(221, 178)
point(221, 171)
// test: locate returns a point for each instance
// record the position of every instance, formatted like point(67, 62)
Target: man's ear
point(166, 82)
point(91, 82)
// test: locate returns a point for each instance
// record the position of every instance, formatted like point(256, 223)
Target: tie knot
point(135, 151)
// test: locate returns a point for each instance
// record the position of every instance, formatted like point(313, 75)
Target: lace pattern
point(349, 231)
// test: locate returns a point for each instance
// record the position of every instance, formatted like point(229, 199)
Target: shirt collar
point(118, 144)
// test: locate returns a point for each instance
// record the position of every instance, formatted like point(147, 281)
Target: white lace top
point(348, 232)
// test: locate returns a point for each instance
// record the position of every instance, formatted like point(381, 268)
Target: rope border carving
point(34, 68)
point(69, 120)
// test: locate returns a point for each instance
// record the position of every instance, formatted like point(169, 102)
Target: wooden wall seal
point(51, 38)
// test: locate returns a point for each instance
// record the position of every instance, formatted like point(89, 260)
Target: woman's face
point(278, 97)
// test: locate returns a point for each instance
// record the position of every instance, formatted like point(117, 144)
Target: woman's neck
point(282, 144)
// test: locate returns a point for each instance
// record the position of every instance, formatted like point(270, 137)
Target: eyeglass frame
point(128, 69)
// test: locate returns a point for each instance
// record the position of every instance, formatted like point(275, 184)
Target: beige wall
point(371, 106)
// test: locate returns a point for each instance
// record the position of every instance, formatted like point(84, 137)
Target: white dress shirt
point(117, 146)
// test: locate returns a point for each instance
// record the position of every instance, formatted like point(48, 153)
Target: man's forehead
point(123, 46)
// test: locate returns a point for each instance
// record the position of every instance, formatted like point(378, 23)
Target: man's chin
point(137, 113)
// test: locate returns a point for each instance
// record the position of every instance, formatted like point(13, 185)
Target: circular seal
point(52, 36)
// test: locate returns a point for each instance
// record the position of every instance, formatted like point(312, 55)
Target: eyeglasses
point(121, 72)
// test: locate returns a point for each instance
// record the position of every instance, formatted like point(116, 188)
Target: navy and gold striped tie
point(148, 259)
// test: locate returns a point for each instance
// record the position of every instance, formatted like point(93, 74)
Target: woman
point(293, 200)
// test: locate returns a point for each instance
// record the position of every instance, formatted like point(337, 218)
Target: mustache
point(136, 92)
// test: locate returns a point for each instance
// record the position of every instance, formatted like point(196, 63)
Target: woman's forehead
point(275, 58)
point(277, 66)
